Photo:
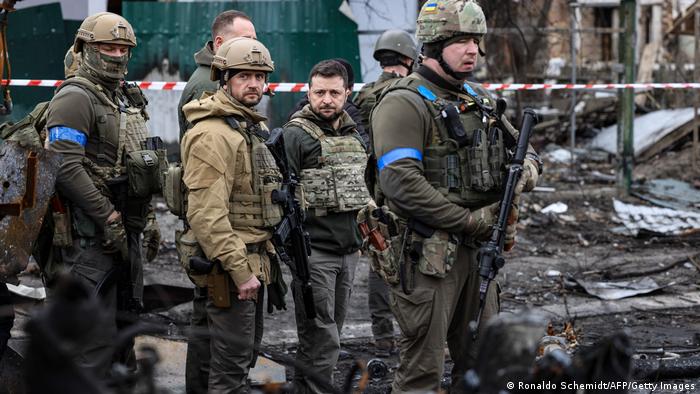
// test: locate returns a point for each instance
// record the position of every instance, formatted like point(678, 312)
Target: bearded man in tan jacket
point(229, 174)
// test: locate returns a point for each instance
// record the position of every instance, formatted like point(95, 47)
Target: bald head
point(231, 24)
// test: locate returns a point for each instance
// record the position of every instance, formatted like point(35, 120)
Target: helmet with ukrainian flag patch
point(441, 20)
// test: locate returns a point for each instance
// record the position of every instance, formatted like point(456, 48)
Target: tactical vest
point(469, 174)
point(367, 98)
point(257, 209)
point(338, 184)
point(116, 147)
point(254, 209)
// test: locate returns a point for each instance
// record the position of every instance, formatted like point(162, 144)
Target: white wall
point(374, 17)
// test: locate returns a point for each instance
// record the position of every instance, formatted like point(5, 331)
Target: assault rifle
point(490, 254)
point(289, 235)
point(122, 275)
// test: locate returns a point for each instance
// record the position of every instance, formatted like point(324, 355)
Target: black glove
point(277, 289)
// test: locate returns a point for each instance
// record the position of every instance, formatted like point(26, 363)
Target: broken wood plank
point(668, 141)
point(611, 275)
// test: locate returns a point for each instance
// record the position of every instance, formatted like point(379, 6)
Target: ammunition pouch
point(187, 247)
point(174, 191)
point(435, 253)
point(429, 251)
point(62, 229)
point(143, 170)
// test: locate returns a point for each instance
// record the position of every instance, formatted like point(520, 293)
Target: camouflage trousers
point(319, 339)
point(197, 362)
point(439, 311)
point(234, 334)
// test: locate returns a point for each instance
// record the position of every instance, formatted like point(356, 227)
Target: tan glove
point(115, 239)
point(529, 177)
point(151, 237)
point(481, 222)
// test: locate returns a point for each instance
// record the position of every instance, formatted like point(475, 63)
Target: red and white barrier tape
point(302, 87)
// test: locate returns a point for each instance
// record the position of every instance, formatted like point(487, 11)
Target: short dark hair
point(224, 19)
point(328, 69)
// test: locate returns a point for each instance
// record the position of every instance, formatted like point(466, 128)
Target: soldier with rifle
point(323, 146)
point(230, 176)
point(443, 147)
point(108, 175)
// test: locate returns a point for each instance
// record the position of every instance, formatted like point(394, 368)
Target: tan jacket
point(217, 165)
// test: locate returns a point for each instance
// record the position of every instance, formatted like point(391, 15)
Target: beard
point(328, 118)
point(247, 100)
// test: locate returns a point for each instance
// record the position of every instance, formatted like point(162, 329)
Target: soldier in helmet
point(324, 147)
point(441, 157)
point(395, 50)
point(229, 175)
point(98, 123)
point(228, 24)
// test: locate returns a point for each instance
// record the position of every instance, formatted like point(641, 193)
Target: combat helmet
point(240, 53)
point(440, 20)
point(395, 40)
point(71, 62)
point(105, 27)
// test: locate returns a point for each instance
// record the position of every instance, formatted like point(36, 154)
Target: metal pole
point(696, 74)
point(574, 61)
point(625, 129)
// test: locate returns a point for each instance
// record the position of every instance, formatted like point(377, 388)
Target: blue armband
point(471, 91)
point(63, 133)
point(398, 154)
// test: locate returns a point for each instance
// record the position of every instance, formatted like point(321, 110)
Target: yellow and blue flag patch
point(430, 7)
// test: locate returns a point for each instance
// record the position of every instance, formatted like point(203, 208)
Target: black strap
point(232, 122)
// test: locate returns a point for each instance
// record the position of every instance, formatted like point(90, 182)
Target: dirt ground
point(577, 244)
point(552, 250)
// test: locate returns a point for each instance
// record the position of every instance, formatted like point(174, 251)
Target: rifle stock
point(491, 254)
point(290, 239)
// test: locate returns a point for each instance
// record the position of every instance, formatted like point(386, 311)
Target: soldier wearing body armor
point(323, 146)
point(98, 123)
point(441, 158)
point(395, 51)
point(227, 25)
point(230, 175)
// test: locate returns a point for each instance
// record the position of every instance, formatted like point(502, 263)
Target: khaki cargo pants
point(319, 339)
point(439, 311)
